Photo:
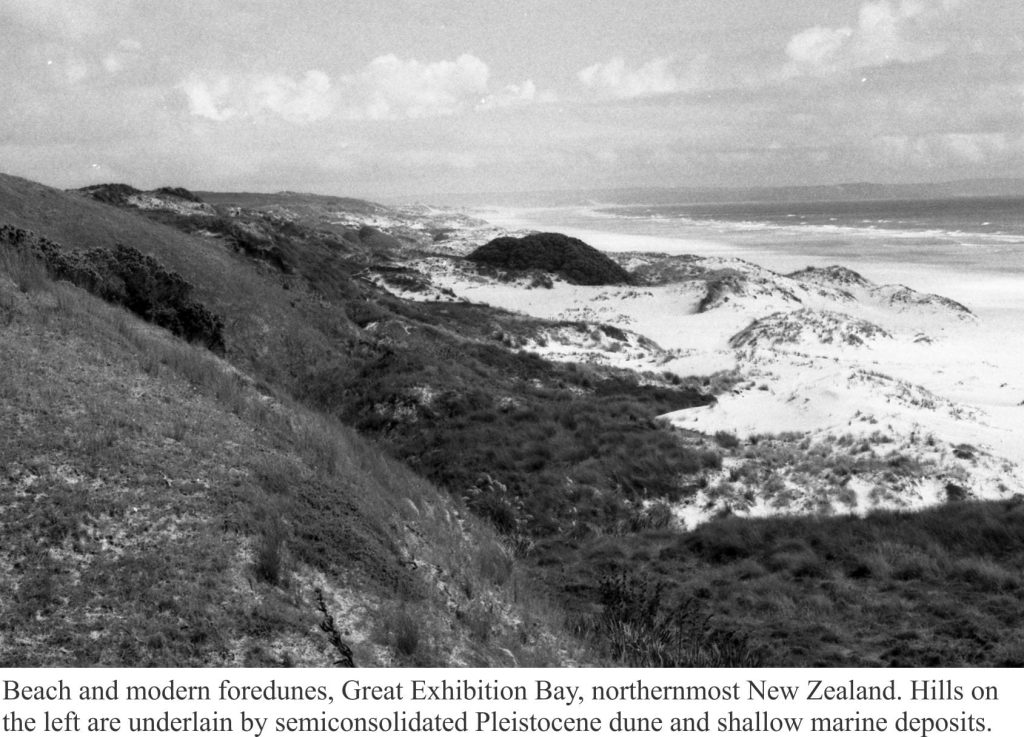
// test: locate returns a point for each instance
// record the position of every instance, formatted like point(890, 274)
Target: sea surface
point(973, 247)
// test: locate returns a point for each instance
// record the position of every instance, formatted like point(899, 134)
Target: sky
point(417, 98)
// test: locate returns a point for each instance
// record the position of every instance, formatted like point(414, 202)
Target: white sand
point(964, 386)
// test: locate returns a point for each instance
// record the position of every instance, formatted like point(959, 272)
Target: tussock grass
point(495, 564)
point(401, 627)
point(269, 556)
point(277, 474)
point(26, 271)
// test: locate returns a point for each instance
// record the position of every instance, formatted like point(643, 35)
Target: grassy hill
point(165, 506)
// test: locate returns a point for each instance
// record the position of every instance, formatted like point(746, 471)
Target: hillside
point(160, 507)
point(396, 455)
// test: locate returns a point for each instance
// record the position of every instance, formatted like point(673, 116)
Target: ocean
point(971, 247)
point(999, 216)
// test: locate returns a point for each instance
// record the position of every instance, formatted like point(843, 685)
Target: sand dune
point(825, 354)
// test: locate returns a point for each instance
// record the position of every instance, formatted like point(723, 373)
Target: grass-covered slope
point(158, 509)
point(570, 258)
point(272, 321)
point(125, 277)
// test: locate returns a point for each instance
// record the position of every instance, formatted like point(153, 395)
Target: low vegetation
point(941, 587)
point(570, 258)
point(535, 448)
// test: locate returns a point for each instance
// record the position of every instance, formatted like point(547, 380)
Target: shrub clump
point(111, 194)
point(559, 254)
point(125, 276)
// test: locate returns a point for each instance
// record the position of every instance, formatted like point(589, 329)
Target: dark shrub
point(727, 439)
point(130, 278)
point(559, 254)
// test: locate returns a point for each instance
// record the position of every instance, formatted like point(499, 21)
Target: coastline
point(993, 293)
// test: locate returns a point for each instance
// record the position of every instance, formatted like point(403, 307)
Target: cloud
point(207, 99)
point(817, 48)
point(887, 31)
point(298, 101)
point(513, 94)
point(388, 88)
point(613, 80)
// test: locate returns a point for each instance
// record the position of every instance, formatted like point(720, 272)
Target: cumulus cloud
point(887, 31)
point(513, 94)
point(388, 88)
point(295, 100)
point(614, 80)
point(208, 99)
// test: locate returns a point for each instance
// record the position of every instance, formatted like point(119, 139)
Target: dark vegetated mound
point(378, 241)
point(179, 192)
point(111, 194)
point(559, 254)
point(118, 194)
point(129, 278)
